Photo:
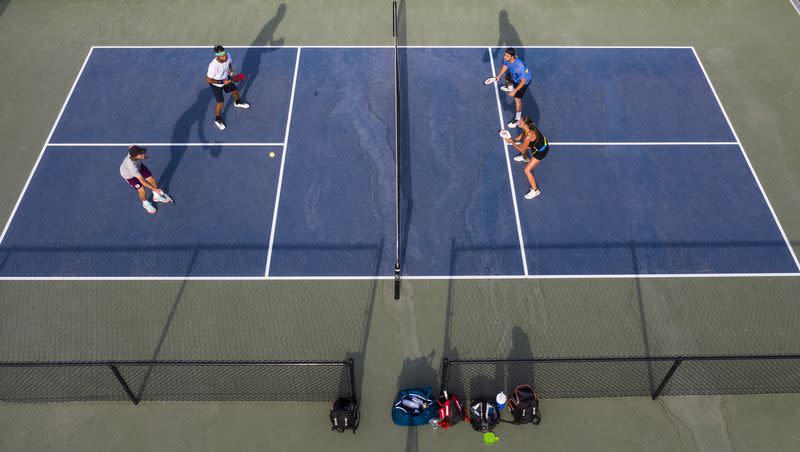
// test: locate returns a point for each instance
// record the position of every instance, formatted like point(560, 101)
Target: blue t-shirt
point(518, 71)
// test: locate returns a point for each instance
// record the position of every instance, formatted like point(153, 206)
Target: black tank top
point(539, 143)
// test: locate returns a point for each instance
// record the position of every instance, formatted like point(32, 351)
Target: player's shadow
point(508, 37)
point(490, 379)
point(251, 63)
point(416, 373)
point(195, 115)
point(520, 373)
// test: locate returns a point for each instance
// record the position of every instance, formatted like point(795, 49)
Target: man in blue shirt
point(518, 77)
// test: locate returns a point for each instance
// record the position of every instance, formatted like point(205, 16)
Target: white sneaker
point(165, 198)
point(506, 88)
point(149, 207)
point(532, 194)
point(241, 104)
point(220, 125)
point(513, 123)
point(521, 158)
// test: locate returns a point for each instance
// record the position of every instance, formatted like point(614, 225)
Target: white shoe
point(532, 194)
point(149, 207)
point(513, 123)
point(220, 125)
point(241, 104)
point(163, 198)
point(521, 158)
point(506, 88)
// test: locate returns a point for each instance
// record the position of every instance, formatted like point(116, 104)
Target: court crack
point(724, 412)
point(677, 423)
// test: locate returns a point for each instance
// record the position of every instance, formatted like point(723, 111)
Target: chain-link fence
point(620, 377)
point(306, 381)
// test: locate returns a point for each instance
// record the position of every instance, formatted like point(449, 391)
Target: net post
point(397, 154)
point(124, 384)
point(352, 374)
point(397, 281)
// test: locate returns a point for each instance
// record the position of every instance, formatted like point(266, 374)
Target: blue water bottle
point(501, 401)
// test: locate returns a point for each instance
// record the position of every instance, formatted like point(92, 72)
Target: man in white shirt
point(218, 77)
point(139, 177)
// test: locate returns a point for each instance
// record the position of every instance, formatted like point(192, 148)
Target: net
point(396, 153)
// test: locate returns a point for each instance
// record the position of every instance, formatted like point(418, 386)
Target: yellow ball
point(272, 154)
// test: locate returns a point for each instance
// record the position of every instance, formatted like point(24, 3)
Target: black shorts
point(521, 91)
point(540, 155)
point(229, 88)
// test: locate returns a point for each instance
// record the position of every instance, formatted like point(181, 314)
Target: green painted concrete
point(749, 50)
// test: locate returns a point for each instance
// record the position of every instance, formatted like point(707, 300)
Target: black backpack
point(524, 405)
point(344, 415)
point(483, 415)
point(450, 411)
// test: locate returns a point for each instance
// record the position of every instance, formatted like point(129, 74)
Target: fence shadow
point(620, 337)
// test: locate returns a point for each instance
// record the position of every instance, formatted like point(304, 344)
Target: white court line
point(561, 143)
point(391, 278)
point(645, 143)
point(610, 276)
point(542, 47)
point(478, 46)
point(508, 167)
point(750, 165)
point(283, 163)
point(159, 144)
point(211, 46)
point(41, 153)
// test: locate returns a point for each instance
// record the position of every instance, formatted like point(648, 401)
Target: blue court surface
point(644, 176)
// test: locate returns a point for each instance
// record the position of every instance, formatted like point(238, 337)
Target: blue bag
point(413, 407)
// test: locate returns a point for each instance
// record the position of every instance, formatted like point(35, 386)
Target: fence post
point(351, 370)
point(445, 374)
point(124, 384)
point(666, 378)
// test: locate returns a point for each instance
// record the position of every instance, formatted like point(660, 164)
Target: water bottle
point(501, 401)
point(434, 423)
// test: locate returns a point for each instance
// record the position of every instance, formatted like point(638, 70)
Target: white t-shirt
point(219, 71)
point(130, 169)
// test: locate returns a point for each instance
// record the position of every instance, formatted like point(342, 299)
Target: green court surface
point(749, 51)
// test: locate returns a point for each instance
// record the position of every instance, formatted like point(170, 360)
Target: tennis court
point(646, 178)
point(667, 224)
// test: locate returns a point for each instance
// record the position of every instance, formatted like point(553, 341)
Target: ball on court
point(272, 154)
